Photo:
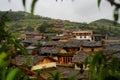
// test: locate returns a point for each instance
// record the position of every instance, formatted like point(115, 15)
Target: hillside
point(105, 22)
point(23, 20)
point(105, 26)
point(19, 15)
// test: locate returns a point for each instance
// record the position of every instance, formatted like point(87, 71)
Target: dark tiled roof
point(52, 43)
point(61, 37)
point(29, 59)
point(31, 40)
point(112, 43)
point(98, 35)
point(79, 56)
point(53, 50)
point(73, 43)
point(68, 72)
point(92, 44)
point(112, 46)
point(117, 55)
point(114, 38)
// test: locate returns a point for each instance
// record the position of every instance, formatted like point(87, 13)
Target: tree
point(15, 27)
point(42, 28)
point(30, 29)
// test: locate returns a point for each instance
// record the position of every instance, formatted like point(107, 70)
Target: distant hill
point(20, 15)
point(105, 26)
point(105, 22)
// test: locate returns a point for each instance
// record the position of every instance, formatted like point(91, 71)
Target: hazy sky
point(78, 10)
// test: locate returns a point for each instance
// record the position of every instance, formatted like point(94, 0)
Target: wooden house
point(46, 62)
point(35, 62)
point(59, 26)
point(99, 37)
point(63, 51)
point(78, 59)
point(112, 39)
point(52, 43)
point(112, 48)
point(30, 41)
point(88, 46)
point(49, 51)
point(72, 46)
point(36, 35)
point(69, 49)
point(62, 38)
point(82, 35)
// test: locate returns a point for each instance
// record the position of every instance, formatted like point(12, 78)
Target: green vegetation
point(105, 26)
point(44, 24)
point(103, 67)
point(8, 51)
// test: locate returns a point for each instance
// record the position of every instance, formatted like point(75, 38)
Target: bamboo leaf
point(99, 1)
point(19, 46)
point(86, 62)
point(116, 14)
point(9, 0)
point(11, 75)
point(111, 2)
point(26, 77)
point(57, 76)
point(72, 77)
point(24, 4)
point(2, 57)
point(33, 6)
point(4, 72)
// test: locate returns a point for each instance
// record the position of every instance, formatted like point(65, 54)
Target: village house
point(30, 41)
point(72, 46)
point(35, 62)
point(88, 48)
point(63, 51)
point(99, 37)
point(111, 45)
point(112, 39)
point(79, 58)
point(62, 38)
point(51, 48)
point(65, 73)
point(82, 35)
point(112, 48)
point(92, 46)
point(49, 51)
point(36, 35)
point(52, 43)
point(69, 48)
point(59, 26)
